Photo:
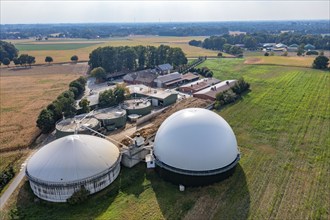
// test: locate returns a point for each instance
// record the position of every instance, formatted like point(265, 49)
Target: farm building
point(195, 147)
point(309, 47)
point(137, 107)
point(145, 77)
point(168, 80)
point(190, 77)
point(212, 91)
point(65, 165)
point(158, 97)
point(164, 69)
point(198, 85)
point(70, 125)
point(111, 118)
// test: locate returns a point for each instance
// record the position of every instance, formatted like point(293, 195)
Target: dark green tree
point(74, 58)
point(7, 50)
point(99, 73)
point(23, 58)
point(107, 99)
point(6, 61)
point(84, 104)
point(16, 61)
point(49, 59)
point(30, 60)
point(45, 121)
point(321, 62)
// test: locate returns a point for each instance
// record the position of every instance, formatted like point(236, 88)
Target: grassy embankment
point(282, 128)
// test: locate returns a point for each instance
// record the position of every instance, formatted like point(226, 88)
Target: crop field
point(306, 61)
point(24, 92)
point(53, 46)
point(282, 128)
point(62, 49)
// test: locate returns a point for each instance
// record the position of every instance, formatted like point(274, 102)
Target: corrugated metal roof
point(165, 67)
point(169, 77)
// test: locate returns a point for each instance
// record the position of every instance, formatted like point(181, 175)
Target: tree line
point(102, 30)
point(254, 40)
point(115, 59)
point(64, 105)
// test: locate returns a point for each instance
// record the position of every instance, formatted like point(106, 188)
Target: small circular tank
point(138, 107)
point(111, 118)
point(68, 126)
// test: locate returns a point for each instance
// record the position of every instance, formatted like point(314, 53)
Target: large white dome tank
point(195, 142)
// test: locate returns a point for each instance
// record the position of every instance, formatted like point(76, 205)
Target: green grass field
point(57, 46)
point(282, 128)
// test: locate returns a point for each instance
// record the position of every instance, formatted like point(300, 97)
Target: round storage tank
point(68, 126)
point(138, 107)
point(195, 147)
point(63, 166)
point(111, 118)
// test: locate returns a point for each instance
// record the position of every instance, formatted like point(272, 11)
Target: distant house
point(168, 80)
point(116, 75)
point(293, 48)
point(145, 77)
point(309, 47)
point(236, 33)
point(198, 85)
point(164, 68)
point(211, 92)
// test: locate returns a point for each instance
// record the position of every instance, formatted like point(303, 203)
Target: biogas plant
point(192, 147)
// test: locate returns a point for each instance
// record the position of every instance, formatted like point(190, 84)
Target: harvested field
point(81, 48)
point(24, 92)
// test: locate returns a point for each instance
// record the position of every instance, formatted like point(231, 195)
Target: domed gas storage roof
point(72, 158)
point(196, 141)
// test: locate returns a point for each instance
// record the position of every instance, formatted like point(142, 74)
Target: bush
point(240, 86)
point(74, 58)
point(321, 62)
point(266, 54)
point(219, 54)
point(6, 176)
point(312, 52)
point(226, 97)
point(78, 196)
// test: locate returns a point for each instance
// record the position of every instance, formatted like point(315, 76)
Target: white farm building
point(63, 166)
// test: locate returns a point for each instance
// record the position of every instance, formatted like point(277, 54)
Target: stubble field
point(61, 50)
point(24, 92)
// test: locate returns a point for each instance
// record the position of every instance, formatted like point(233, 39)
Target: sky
point(51, 11)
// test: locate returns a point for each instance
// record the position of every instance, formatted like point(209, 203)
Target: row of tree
point(64, 105)
point(253, 41)
point(204, 71)
point(231, 95)
point(114, 59)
